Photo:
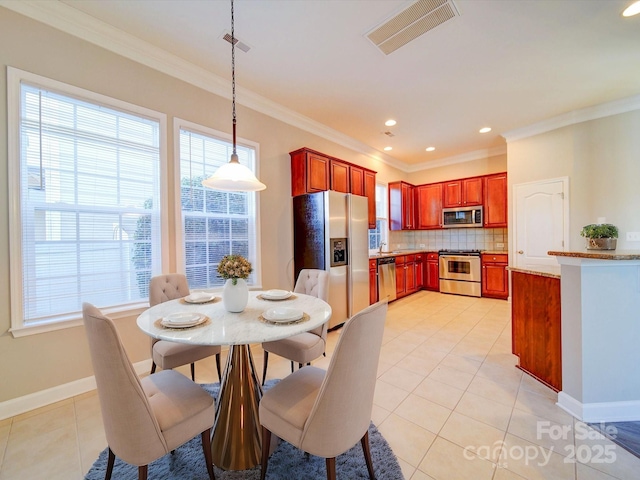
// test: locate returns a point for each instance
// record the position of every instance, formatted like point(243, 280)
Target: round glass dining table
point(235, 443)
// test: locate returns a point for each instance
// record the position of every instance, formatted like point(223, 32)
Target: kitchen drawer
point(432, 256)
point(410, 258)
point(495, 257)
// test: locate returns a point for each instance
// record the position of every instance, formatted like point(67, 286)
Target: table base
point(236, 440)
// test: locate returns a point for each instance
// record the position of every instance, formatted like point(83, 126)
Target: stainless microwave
point(461, 217)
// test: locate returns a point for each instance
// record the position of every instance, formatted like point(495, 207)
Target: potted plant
point(600, 236)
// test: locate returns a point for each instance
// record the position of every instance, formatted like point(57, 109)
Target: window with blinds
point(380, 233)
point(89, 209)
point(214, 223)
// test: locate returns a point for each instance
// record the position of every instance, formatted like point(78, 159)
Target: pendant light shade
point(233, 176)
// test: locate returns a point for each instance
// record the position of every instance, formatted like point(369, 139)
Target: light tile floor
point(448, 400)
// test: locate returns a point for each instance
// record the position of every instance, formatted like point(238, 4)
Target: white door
point(541, 222)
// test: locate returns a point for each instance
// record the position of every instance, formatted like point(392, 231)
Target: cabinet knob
point(520, 252)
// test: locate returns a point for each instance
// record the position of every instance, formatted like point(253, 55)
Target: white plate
point(276, 294)
point(199, 297)
point(283, 314)
point(182, 320)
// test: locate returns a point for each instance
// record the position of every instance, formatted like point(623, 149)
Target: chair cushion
point(301, 348)
point(179, 405)
point(168, 355)
point(285, 407)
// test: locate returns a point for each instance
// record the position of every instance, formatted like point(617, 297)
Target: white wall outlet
point(499, 245)
point(633, 236)
point(422, 245)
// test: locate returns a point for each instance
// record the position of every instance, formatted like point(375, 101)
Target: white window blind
point(89, 181)
point(214, 223)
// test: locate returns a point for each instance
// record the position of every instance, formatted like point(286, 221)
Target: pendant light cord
point(233, 77)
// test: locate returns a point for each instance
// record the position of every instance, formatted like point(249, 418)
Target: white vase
point(235, 297)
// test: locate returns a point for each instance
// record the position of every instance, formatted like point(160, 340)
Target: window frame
point(15, 77)
point(178, 124)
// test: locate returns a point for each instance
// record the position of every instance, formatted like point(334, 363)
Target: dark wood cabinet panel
point(495, 281)
point(401, 206)
point(401, 277)
point(495, 201)
point(370, 193)
point(419, 270)
point(309, 172)
point(432, 272)
point(464, 192)
point(356, 176)
point(373, 281)
point(428, 199)
point(536, 326)
point(339, 176)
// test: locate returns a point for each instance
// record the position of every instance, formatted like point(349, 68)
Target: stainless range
point(460, 272)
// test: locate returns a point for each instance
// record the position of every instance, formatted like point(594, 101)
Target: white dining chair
point(166, 354)
point(327, 413)
point(306, 346)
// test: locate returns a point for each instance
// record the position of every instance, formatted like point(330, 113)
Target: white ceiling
point(503, 63)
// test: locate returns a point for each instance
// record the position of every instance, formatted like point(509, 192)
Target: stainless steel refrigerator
point(330, 232)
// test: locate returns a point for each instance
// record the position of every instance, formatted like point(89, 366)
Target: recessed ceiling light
point(390, 123)
point(632, 10)
point(386, 149)
point(430, 149)
point(485, 129)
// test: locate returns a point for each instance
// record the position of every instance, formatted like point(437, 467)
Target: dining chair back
point(326, 413)
point(143, 419)
point(306, 346)
point(166, 354)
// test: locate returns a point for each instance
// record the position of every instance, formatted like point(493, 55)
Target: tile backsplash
point(452, 238)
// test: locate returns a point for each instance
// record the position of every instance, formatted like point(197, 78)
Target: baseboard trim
point(42, 398)
point(597, 412)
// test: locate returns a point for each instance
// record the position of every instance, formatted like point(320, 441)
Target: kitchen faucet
point(381, 245)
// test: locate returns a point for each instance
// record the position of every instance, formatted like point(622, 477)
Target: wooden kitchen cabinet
point(432, 272)
point(419, 270)
point(370, 193)
point(309, 172)
point(536, 326)
point(428, 200)
point(373, 281)
point(463, 192)
point(495, 281)
point(356, 179)
point(401, 277)
point(495, 201)
point(401, 206)
point(340, 180)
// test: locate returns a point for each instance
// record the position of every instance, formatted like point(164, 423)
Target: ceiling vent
point(409, 24)
point(241, 45)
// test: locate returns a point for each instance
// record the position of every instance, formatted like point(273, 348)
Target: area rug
point(625, 434)
point(286, 462)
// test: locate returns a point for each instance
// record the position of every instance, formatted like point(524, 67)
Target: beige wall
point(600, 158)
point(37, 362)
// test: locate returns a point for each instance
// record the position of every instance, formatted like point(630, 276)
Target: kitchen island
point(600, 297)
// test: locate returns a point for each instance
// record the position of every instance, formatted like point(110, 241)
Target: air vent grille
point(241, 45)
point(415, 20)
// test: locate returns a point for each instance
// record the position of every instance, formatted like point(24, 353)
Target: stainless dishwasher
point(387, 278)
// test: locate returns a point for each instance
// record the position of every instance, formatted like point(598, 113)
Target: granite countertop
point(551, 273)
point(600, 254)
point(396, 253)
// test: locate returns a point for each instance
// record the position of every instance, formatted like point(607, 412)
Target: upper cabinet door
point(340, 181)
point(429, 206)
point(495, 201)
point(309, 172)
point(370, 193)
point(472, 191)
point(357, 180)
point(462, 193)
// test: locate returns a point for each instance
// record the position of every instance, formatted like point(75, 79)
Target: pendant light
point(233, 176)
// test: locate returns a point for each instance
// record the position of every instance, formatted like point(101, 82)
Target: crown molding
point(595, 112)
point(74, 22)
point(462, 158)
